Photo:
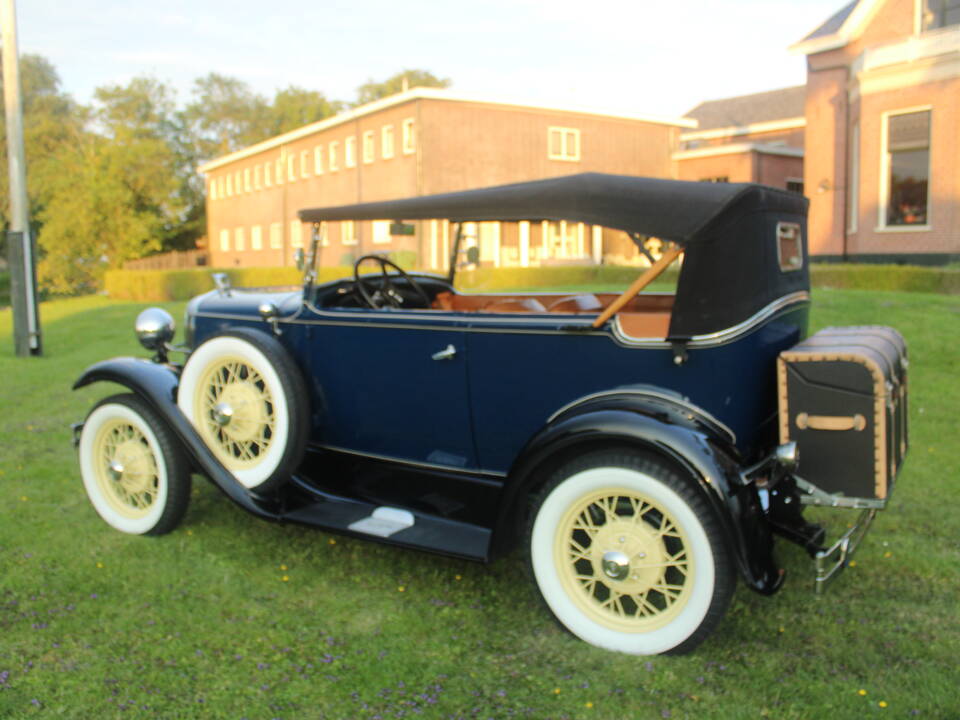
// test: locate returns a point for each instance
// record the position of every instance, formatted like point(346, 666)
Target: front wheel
point(628, 555)
point(133, 469)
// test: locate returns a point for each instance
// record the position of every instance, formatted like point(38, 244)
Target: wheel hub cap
point(116, 471)
point(616, 565)
point(223, 414)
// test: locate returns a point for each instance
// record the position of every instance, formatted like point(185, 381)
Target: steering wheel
point(386, 295)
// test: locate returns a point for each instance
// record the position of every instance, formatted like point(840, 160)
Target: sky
point(634, 57)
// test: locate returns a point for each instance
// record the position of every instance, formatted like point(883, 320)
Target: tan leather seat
point(581, 303)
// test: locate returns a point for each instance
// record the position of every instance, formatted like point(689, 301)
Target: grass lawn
point(232, 617)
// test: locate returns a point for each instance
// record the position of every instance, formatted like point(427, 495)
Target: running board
point(395, 526)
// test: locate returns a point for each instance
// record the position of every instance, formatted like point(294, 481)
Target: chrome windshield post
point(309, 267)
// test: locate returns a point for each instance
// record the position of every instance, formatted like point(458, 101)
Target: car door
point(392, 384)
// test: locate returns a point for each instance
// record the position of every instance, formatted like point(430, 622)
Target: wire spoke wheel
point(238, 412)
point(629, 555)
point(133, 467)
point(248, 402)
point(624, 560)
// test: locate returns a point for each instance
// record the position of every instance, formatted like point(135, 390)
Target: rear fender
point(157, 384)
point(699, 448)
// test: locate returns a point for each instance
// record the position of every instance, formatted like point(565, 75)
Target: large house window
point(386, 142)
point(381, 231)
point(563, 144)
point(369, 152)
point(256, 238)
point(333, 156)
point(276, 235)
point(940, 13)
point(318, 160)
point(908, 168)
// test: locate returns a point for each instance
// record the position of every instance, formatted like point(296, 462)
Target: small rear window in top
point(789, 247)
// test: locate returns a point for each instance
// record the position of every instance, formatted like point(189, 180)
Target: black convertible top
point(676, 210)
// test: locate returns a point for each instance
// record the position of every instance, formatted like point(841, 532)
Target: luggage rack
point(831, 561)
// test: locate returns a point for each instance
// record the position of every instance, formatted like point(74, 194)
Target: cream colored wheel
point(132, 467)
point(246, 400)
point(628, 556)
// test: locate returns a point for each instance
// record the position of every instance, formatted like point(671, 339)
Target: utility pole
point(20, 247)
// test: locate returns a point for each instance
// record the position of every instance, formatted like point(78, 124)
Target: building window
point(291, 167)
point(276, 236)
point(795, 186)
point(716, 179)
point(256, 238)
point(853, 186)
point(563, 144)
point(409, 137)
point(940, 13)
point(348, 232)
point(246, 180)
point(324, 234)
point(278, 170)
point(386, 142)
point(350, 152)
point(213, 189)
point(238, 182)
point(907, 173)
point(381, 232)
point(368, 149)
point(225, 240)
point(220, 187)
point(229, 185)
point(333, 156)
point(266, 174)
point(318, 160)
point(305, 164)
point(296, 234)
point(256, 177)
point(239, 240)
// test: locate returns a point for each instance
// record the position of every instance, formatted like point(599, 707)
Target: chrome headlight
point(155, 328)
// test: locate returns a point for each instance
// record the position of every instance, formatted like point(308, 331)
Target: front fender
point(157, 384)
point(704, 455)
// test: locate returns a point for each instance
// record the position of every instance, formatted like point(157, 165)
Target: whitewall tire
point(628, 555)
point(247, 401)
point(133, 469)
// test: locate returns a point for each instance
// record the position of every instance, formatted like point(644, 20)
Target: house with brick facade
point(751, 138)
point(882, 147)
point(420, 142)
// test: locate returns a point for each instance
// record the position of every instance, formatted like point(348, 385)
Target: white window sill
point(903, 228)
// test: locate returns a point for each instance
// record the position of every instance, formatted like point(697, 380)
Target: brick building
point(883, 131)
point(752, 138)
point(421, 142)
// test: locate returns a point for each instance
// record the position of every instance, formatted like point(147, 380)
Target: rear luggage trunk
point(843, 400)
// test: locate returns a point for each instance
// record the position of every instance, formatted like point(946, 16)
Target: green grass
point(94, 623)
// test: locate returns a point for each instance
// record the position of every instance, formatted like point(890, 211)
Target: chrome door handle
point(446, 354)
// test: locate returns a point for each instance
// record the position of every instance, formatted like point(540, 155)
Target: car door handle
point(446, 354)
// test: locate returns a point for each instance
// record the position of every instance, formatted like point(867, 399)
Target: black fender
point(678, 432)
point(157, 385)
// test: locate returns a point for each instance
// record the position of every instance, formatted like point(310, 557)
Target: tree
point(295, 107)
point(122, 189)
point(370, 91)
point(225, 115)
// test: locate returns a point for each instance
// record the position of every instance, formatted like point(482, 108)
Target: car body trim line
point(465, 322)
point(720, 337)
point(482, 475)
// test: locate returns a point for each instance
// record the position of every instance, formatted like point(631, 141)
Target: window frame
point(368, 149)
point(350, 152)
point(884, 185)
point(318, 159)
point(333, 156)
point(409, 136)
point(387, 140)
point(564, 133)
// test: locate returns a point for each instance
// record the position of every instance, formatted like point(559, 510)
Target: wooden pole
point(639, 284)
point(20, 246)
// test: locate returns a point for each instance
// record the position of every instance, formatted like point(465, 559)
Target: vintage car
point(643, 448)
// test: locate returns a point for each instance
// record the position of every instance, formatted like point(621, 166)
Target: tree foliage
point(371, 90)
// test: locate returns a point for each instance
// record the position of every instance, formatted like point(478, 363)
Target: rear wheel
point(628, 555)
point(133, 469)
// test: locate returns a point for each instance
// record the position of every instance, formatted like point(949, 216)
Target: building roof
point(418, 93)
point(834, 23)
point(750, 109)
point(840, 28)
